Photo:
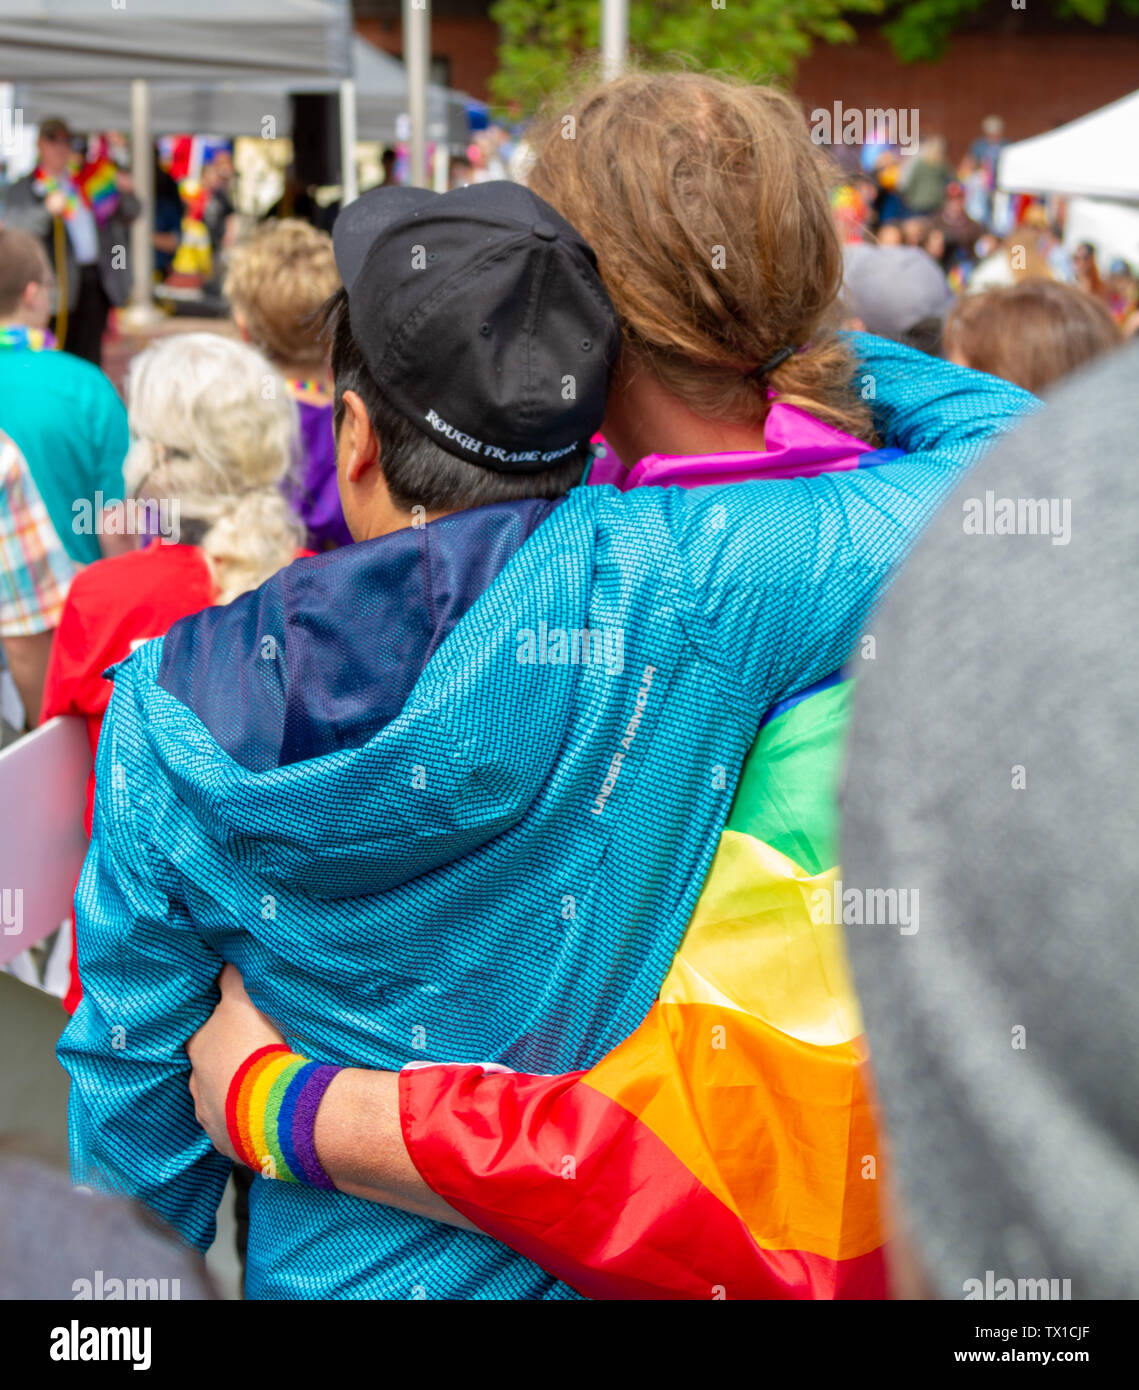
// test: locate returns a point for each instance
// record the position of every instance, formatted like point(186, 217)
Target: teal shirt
point(70, 425)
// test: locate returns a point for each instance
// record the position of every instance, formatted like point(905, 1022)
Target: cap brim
point(362, 221)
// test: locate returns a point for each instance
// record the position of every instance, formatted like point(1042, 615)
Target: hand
point(56, 202)
point(358, 1134)
point(234, 1030)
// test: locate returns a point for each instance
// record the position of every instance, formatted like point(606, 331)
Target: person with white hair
point(213, 436)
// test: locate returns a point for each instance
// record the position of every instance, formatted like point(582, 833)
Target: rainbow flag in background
point(729, 1148)
point(97, 183)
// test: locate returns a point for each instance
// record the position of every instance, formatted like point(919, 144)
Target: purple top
point(317, 500)
point(798, 446)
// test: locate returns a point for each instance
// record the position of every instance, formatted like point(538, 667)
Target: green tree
point(920, 30)
point(759, 39)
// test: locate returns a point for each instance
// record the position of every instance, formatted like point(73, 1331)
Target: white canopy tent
point(1111, 227)
point(249, 107)
point(205, 40)
point(1093, 163)
point(1095, 156)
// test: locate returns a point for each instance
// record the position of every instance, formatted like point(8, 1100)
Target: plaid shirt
point(35, 569)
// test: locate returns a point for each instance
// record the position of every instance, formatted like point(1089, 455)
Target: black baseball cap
point(482, 319)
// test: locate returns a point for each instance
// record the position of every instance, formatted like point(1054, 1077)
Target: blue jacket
point(451, 795)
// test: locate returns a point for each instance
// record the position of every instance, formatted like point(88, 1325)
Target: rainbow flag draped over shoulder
point(729, 1147)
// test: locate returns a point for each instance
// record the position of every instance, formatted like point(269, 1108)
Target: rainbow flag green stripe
point(787, 795)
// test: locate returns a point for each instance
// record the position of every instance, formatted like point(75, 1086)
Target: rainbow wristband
point(270, 1113)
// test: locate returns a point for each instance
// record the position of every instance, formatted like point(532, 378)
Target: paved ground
point(33, 1102)
point(120, 345)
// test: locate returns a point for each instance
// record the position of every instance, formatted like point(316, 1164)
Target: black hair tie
point(772, 362)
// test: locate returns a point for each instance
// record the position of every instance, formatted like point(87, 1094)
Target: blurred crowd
point(937, 256)
point(201, 208)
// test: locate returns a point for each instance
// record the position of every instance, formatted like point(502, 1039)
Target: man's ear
point(242, 326)
point(358, 436)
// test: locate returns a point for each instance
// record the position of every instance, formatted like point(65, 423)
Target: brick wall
point(470, 43)
point(1035, 81)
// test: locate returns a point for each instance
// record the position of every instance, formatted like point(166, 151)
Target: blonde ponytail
point(257, 535)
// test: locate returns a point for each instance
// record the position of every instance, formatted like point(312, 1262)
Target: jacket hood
point(326, 736)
